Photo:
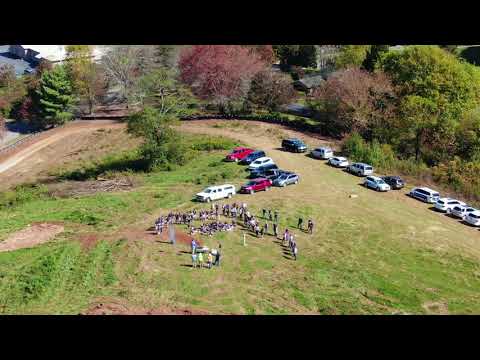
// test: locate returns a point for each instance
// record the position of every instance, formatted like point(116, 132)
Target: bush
point(22, 194)
point(374, 153)
point(213, 143)
point(460, 175)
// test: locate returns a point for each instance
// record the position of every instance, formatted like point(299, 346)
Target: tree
point(160, 89)
point(374, 56)
point(264, 52)
point(54, 97)
point(162, 146)
point(436, 89)
point(296, 55)
point(12, 90)
point(83, 74)
point(219, 73)
point(122, 67)
point(354, 100)
point(270, 90)
point(351, 55)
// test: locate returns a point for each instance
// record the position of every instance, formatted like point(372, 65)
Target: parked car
point(376, 183)
point(360, 169)
point(256, 185)
point(462, 211)
point(294, 145)
point(447, 204)
point(425, 194)
point(323, 153)
point(272, 174)
point(252, 157)
point(238, 154)
point(261, 171)
point(286, 178)
point(216, 192)
point(338, 161)
point(473, 218)
point(261, 162)
point(395, 182)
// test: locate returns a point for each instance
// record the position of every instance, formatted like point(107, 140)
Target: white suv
point(322, 153)
point(338, 161)
point(376, 183)
point(462, 211)
point(261, 162)
point(360, 169)
point(216, 192)
point(447, 204)
point(473, 218)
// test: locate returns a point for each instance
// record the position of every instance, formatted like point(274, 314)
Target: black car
point(294, 145)
point(395, 182)
point(252, 157)
point(260, 171)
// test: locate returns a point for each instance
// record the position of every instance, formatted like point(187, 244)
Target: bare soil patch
point(31, 236)
point(436, 308)
point(88, 241)
point(118, 308)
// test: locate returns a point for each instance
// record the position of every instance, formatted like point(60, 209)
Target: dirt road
point(21, 161)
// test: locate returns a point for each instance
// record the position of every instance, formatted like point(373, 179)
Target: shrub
point(212, 143)
point(22, 194)
point(374, 153)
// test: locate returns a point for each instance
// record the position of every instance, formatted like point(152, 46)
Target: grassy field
point(375, 254)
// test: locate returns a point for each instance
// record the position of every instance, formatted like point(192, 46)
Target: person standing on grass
point(200, 260)
point(300, 223)
point(194, 260)
point(276, 216)
point(210, 260)
point(286, 237)
point(257, 230)
point(194, 246)
point(262, 231)
point(310, 226)
point(264, 213)
point(270, 217)
point(265, 228)
point(275, 230)
point(295, 251)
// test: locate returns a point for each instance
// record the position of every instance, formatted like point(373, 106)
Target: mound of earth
point(31, 236)
point(113, 308)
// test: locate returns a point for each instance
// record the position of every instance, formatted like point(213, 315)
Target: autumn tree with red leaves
point(355, 100)
point(219, 73)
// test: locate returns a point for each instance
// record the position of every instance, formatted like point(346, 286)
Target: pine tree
point(54, 97)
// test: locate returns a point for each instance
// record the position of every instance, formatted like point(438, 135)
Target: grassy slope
point(362, 258)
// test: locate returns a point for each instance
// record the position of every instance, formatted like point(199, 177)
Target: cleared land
point(377, 253)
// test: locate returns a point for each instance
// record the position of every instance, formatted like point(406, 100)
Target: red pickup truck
point(256, 185)
point(238, 154)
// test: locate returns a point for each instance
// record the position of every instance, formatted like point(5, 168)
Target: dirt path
point(27, 150)
point(62, 149)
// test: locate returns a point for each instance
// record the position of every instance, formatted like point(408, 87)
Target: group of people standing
point(202, 257)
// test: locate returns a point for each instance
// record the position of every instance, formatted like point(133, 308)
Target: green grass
point(361, 259)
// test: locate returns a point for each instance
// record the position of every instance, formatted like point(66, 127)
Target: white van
point(425, 194)
point(323, 153)
point(216, 192)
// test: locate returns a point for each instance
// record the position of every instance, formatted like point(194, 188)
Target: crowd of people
point(237, 213)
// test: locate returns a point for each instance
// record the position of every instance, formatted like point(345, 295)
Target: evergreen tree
point(54, 97)
point(374, 56)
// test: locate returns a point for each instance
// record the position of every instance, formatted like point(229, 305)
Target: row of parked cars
point(450, 206)
point(263, 174)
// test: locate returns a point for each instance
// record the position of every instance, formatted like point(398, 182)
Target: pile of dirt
point(82, 188)
point(31, 236)
point(114, 308)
